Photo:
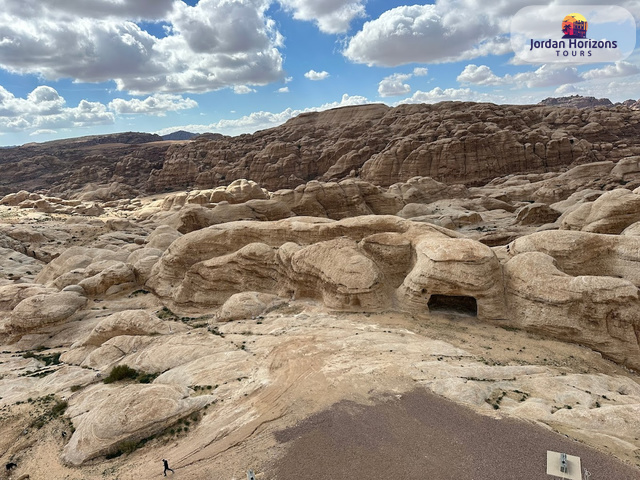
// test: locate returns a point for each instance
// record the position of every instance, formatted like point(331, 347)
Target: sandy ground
point(374, 423)
point(420, 435)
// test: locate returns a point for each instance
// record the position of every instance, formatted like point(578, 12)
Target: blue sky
point(82, 67)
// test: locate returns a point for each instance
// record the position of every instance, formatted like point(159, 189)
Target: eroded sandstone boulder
point(248, 305)
point(104, 416)
point(44, 309)
point(596, 311)
point(610, 213)
point(130, 322)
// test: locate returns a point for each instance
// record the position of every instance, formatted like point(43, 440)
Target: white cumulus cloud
point(446, 31)
point(545, 76)
point(479, 75)
point(153, 105)
point(315, 76)
point(212, 45)
point(439, 94)
point(331, 16)
point(618, 69)
point(394, 85)
point(44, 109)
point(283, 90)
point(262, 120)
point(242, 90)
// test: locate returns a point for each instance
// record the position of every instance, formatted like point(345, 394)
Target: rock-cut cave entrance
point(453, 304)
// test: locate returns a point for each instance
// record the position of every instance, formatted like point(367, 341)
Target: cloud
point(439, 94)
point(209, 46)
point(446, 31)
point(283, 90)
point(315, 76)
point(153, 105)
point(331, 16)
point(417, 33)
point(545, 76)
point(43, 131)
point(618, 69)
point(420, 71)
point(567, 89)
point(548, 76)
point(45, 109)
point(262, 120)
point(136, 9)
point(479, 75)
point(393, 85)
point(242, 90)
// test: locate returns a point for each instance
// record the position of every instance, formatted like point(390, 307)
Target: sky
point(70, 68)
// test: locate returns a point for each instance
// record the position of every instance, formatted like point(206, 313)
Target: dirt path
point(422, 436)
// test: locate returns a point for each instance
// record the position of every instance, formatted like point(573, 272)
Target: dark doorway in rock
point(453, 304)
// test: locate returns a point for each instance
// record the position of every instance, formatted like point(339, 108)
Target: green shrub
point(147, 377)
point(59, 408)
point(165, 314)
point(121, 372)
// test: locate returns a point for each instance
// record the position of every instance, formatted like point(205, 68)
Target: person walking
point(166, 467)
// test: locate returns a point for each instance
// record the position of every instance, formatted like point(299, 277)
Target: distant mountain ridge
point(451, 142)
point(578, 101)
point(179, 135)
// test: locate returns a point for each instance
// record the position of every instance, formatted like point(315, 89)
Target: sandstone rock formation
point(105, 416)
point(247, 305)
point(309, 263)
point(44, 309)
point(453, 142)
point(611, 212)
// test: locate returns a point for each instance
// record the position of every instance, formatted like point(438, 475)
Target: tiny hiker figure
point(166, 467)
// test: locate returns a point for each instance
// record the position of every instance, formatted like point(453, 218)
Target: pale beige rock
point(454, 268)
point(576, 199)
point(44, 309)
point(162, 237)
point(248, 305)
point(130, 322)
point(116, 273)
point(106, 415)
point(597, 311)
point(12, 295)
point(339, 272)
point(632, 230)
point(610, 213)
point(195, 217)
point(559, 188)
point(442, 213)
point(626, 167)
point(582, 253)
point(339, 200)
point(222, 255)
point(536, 214)
point(76, 258)
point(426, 190)
point(14, 199)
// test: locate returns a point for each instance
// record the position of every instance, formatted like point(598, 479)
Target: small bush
point(121, 372)
point(165, 314)
point(147, 377)
point(75, 388)
point(59, 408)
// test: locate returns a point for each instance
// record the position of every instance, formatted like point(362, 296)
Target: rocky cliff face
point(452, 142)
point(67, 166)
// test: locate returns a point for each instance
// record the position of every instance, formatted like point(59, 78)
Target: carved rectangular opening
point(453, 304)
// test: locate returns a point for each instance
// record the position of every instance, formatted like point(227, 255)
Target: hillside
point(452, 142)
